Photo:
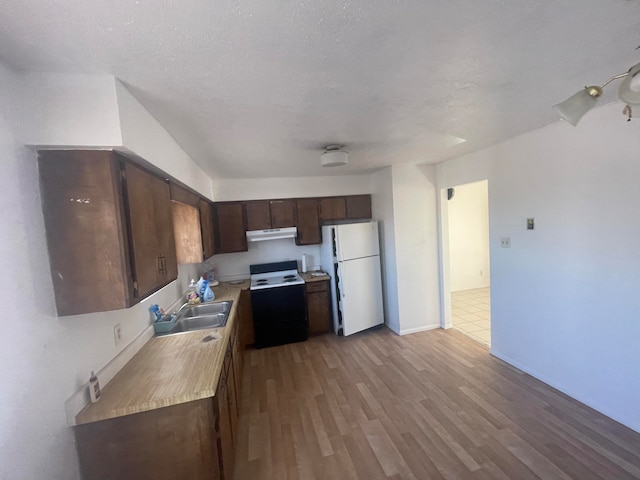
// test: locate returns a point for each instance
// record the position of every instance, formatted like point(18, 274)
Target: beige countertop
point(310, 277)
point(172, 369)
point(168, 370)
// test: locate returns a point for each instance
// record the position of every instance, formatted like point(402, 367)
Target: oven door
point(279, 315)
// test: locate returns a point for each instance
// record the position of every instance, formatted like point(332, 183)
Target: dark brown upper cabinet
point(182, 195)
point(153, 248)
point(266, 214)
point(283, 213)
point(308, 222)
point(109, 230)
point(343, 208)
point(193, 225)
point(230, 227)
point(186, 230)
point(258, 214)
point(207, 228)
point(332, 208)
point(358, 206)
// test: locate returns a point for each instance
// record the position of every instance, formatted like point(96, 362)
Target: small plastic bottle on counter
point(94, 387)
point(192, 293)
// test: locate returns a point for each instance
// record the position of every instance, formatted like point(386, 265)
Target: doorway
point(467, 260)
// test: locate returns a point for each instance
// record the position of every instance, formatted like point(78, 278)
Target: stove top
point(271, 275)
point(275, 279)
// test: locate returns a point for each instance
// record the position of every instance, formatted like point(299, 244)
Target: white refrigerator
point(350, 254)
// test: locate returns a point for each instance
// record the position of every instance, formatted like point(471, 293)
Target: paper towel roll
point(304, 263)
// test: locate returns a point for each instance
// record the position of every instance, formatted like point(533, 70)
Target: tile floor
point(471, 313)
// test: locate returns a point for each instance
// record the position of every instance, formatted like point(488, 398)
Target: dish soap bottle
point(94, 387)
point(192, 293)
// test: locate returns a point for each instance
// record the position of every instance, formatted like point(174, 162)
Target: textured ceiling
point(256, 88)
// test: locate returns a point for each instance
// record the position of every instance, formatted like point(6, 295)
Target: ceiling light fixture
point(575, 107)
point(334, 156)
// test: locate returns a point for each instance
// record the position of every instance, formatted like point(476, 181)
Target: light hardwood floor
point(432, 405)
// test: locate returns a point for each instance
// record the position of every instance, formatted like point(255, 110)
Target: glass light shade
point(574, 107)
point(334, 158)
point(629, 91)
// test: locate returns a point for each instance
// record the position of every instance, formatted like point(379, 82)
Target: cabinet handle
point(162, 265)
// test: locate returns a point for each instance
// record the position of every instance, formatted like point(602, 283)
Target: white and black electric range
point(279, 304)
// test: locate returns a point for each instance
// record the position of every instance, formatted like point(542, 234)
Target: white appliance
point(271, 234)
point(350, 254)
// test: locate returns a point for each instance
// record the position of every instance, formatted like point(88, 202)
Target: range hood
point(271, 234)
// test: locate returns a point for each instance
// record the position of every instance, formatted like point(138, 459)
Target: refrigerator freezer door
point(357, 240)
point(360, 290)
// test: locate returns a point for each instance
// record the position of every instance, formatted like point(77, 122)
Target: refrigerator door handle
point(339, 280)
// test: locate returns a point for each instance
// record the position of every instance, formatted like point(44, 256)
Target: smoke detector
point(334, 156)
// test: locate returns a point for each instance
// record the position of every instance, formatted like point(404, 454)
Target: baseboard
point(563, 389)
point(394, 328)
point(80, 399)
point(409, 331)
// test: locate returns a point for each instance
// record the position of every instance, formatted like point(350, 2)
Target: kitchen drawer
point(319, 286)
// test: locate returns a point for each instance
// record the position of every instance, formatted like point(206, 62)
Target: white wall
point(264, 188)
point(232, 266)
point(382, 205)
point(143, 135)
point(34, 440)
point(416, 246)
point(71, 110)
point(46, 359)
point(97, 111)
point(468, 212)
point(565, 297)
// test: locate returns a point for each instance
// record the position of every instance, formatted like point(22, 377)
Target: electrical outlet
point(505, 242)
point(117, 334)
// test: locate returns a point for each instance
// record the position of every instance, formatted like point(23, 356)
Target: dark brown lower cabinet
point(168, 443)
point(245, 317)
point(189, 441)
point(319, 307)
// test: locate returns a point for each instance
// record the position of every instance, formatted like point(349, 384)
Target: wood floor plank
point(432, 405)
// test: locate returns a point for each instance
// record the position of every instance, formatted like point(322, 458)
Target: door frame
point(444, 252)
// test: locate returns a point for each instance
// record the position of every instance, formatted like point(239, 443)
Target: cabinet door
point(245, 315)
point(144, 243)
point(237, 361)
point(167, 259)
point(258, 215)
point(319, 307)
point(232, 401)
point(333, 208)
point(282, 213)
point(358, 206)
point(308, 222)
point(153, 248)
point(230, 228)
point(206, 228)
point(187, 233)
point(86, 228)
point(225, 438)
point(176, 442)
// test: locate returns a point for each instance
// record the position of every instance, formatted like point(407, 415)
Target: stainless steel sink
point(204, 309)
point(200, 317)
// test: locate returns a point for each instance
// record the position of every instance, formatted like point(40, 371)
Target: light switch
point(529, 223)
